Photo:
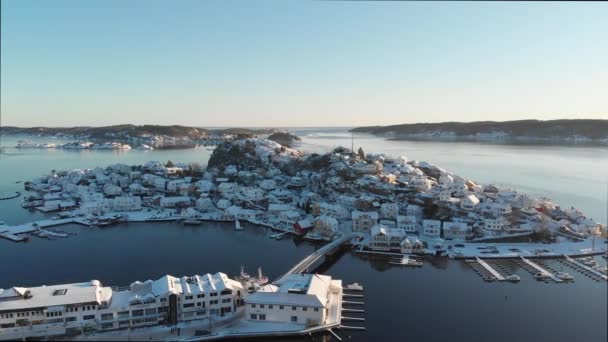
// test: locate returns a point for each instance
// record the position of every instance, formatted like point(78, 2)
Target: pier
point(316, 255)
point(11, 232)
point(490, 269)
point(541, 270)
point(587, 268)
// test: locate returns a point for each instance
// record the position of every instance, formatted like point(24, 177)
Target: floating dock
point(490, 269)
point(541, 270)
point(587, 268)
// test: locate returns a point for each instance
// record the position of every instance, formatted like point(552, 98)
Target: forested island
point(550, 131)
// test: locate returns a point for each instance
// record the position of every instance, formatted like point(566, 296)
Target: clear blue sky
point(300, 63)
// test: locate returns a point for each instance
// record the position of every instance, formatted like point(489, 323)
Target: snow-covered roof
point(296, 290)
point(45, 296)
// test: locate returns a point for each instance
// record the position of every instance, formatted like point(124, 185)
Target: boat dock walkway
point(587, 268)
point(10, 232)
point(541, 270)
point(490, 269)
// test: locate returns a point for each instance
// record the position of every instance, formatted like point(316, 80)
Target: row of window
point(262, 317)
point(281, 307)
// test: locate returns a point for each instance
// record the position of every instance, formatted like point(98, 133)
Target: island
point(123, 137)
point(519, 131)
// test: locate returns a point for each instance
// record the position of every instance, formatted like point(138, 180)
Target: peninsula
point(523, 131)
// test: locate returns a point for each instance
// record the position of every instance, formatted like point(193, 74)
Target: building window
point(189, 297)
point(202, 295)
point(316, 309)
point(294, 308)
point(262, 317)
point(70, 319)
point(107, 317)
point(88, 317)
point(270, 306)
point(261, 306)
point(281, 307)
point(213, 294)
point(294, 318)
point(188, 305)
point(137, 313)
point(252, 306)
point(60, 292)
point(254, 316)
point(162, 300)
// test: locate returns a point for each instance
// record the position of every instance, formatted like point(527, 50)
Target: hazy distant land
point(532, 131)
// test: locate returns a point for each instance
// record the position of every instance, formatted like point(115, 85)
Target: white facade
point(333, 210)
point(469, 202)
point(431, 228)
point(500, 209)
point(112, 190)
point(326, 226)
point(409, 224)
point(493, 224)
point(455, 230)
point(363, 221)
point(386, 239)
point(61, 309)
point(297, 298)
point(414, 210)
point(389, 210)
point(126, 203)
point(445, 195)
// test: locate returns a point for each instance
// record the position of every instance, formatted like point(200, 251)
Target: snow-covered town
point(377, 204)
point(392, 204)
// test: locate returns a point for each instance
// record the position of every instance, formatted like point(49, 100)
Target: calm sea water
point(442, 300)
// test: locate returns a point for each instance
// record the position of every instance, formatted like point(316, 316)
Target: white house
point(176, 201)
point(389, 210)
point(385, 239)
point(469, 202)
point(412, 246)
point(414, 210)
point(409, 224)
point(252, 193)
point(173, 185)
point(227, 190)
point(160, 183)
point(299, 298)
point(500, 209)
point(455, 230)
point(363, 221)
point(173, 171)
point(236, 212)
point(493, 224)
point(431, 228)
point(112, 190)
point(126, 203)
point(326, 226)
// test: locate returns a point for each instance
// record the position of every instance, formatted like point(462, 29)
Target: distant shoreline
point(529, 132)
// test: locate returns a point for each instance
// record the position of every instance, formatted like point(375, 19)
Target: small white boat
point(313, 237)
point(237, 225)
point(564, 276)
point(405, 261)
point(192, 222)
point(514, 278)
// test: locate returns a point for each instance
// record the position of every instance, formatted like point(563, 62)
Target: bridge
point(312, 258)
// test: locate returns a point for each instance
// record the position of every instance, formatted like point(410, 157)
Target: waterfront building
point(326, 226)
point(385, 239)
point(33, 312)
point(307, 299)
point(363, 221)
point(431, 228)
point(126, 203)
point(455, 230)
point(334, 210)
